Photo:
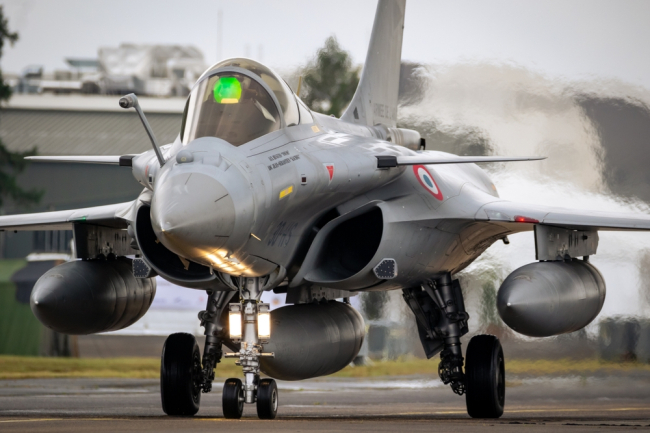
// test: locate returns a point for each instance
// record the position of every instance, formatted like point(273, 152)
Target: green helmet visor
point(227, 90)
point(232, 106)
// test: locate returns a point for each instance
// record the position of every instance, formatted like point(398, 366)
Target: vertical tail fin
point(375, 100)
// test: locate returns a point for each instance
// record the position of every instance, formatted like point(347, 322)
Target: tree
point(12, 163)
point(330, 79)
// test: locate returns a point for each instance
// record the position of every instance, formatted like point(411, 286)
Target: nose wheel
point(485, 377)
point(233, 399)
point(267, 399)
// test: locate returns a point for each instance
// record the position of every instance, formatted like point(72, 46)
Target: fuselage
point(245, 210)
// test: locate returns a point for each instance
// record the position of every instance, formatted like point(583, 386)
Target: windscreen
point(230, 106)
point(277, 85)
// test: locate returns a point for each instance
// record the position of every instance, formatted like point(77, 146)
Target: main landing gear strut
point(184, 375)
point(441, 318)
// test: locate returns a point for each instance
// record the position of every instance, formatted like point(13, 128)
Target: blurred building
point(66, 125)
point(76, 125)
point(153, 70)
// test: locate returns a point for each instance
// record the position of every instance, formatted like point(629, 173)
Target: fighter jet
point(260, 193)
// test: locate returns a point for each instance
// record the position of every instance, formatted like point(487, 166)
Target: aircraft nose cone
point(192, 214)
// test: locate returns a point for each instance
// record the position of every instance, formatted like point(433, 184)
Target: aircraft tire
point(180, 370)
point(232, 400)
point(267, 399)
point(485, 377)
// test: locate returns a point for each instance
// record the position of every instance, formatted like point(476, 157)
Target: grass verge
point(25, 367)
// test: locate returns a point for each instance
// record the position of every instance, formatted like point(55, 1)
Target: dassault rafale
point(260, 193)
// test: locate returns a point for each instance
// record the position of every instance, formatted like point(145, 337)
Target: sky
point(569, 39)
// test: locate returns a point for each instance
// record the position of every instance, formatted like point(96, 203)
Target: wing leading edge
point(529, 215)
point(113, 215)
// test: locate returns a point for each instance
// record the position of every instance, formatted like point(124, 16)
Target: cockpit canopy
point(239, 100)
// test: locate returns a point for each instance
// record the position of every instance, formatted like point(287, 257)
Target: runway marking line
point(454, 412)
point(62, 419)
point(450, 412)
point(614, 409)
point(463, 411)
point(32, 420)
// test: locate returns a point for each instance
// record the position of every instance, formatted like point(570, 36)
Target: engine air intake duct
point(311, 340)
point(551, 298)
point(167, 264)
point(90, 296)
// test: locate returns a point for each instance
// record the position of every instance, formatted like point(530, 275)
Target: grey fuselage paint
point(245, 210)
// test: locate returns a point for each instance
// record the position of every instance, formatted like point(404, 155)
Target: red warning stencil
point(330, 170)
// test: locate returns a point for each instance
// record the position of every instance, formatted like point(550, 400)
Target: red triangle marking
point(330, 170)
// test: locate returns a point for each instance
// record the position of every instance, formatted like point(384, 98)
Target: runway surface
point(412, 404)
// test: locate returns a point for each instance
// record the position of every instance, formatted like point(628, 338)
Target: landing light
point(235, 321)
point(263, 322)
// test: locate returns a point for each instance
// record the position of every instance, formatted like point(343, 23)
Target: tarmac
point(386, 404)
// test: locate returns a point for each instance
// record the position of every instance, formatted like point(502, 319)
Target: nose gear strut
point(263, 392)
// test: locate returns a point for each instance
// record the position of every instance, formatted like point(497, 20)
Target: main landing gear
point(180, 375)
point(441, 318)
point(184, 374)
point(485, 377)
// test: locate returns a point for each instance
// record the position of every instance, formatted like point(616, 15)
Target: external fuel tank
point(311, 340)
point(90, 296)
point(551, 298)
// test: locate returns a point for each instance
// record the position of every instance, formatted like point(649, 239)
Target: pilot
point(239, 100)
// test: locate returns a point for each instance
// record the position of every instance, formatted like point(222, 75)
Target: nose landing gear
point(264, 392)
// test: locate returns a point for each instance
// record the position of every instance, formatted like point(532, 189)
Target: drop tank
point(90, 296)
point(311, 340)
point(551, 298)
